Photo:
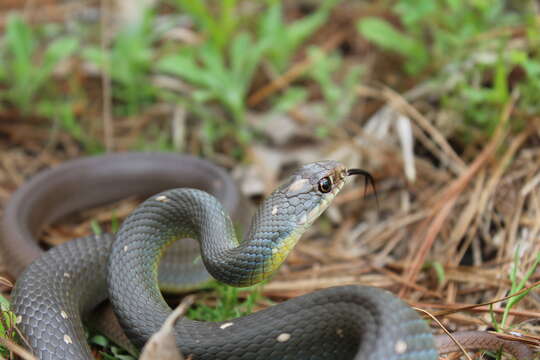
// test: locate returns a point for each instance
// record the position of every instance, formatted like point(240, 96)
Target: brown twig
point(17, 349)
point(454, 308)
point(434, 318)
point(449, 196)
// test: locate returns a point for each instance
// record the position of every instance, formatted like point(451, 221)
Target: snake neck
point(273, 233)
point(181, 213)
point(275, 229)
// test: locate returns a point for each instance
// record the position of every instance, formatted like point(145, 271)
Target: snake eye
point(325, 185)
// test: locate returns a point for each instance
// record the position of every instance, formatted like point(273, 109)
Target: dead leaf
point(162, 345)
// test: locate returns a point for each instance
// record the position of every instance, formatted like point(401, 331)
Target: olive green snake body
point(60, 288)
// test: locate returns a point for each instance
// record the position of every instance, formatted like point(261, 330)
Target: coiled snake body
point(61, 287)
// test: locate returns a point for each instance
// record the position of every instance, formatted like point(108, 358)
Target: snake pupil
point(325, 185)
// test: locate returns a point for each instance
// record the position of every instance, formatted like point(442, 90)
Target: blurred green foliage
point(218, 21)
point(477, 53)
point(129, 62)
point(219, 70)
point(110, 351)
point(519, 278)
point(338, 97)
point(223, 67)
point(385, 35)
point(469, 49)
point(283, 39)
point(25, 67)
point(228, 306)
point(435, 33)
point(219, 77)
point(7, 324)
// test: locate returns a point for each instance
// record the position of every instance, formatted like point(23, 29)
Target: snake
point(190, 198)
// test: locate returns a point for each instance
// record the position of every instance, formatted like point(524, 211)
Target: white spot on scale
point(303, 219)
point(66, 275)
point(284, 337)
point(125, 248)
point(400, 347)
point(63, 314)
point(298, 185)
point(67, 339)
point(274, 210)
point(18, 319)
point(162, 198)
point(274, 250)
point(226, 325)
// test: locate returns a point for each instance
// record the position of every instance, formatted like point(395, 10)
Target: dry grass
point(471, 223)
point(467, 211)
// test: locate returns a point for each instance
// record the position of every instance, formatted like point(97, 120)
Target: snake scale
point(59, 289)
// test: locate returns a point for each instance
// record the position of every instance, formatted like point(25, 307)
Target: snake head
point(285, 215)
point(291, 209)
point(311, 188)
